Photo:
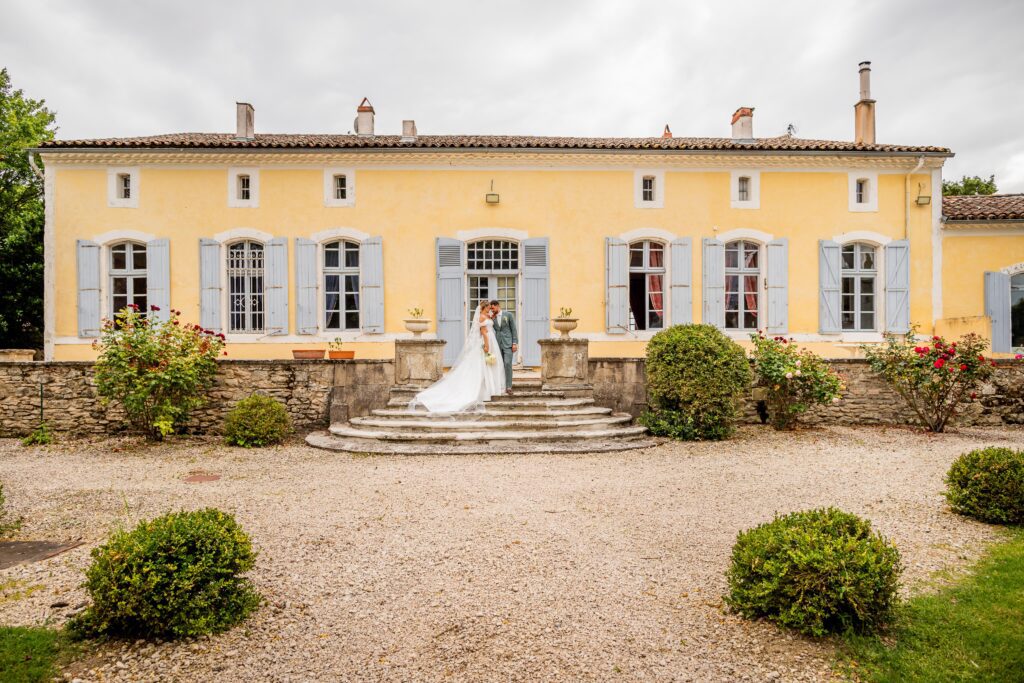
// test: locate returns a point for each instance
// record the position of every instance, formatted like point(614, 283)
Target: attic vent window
point(340, 186)
point(124, 186)
point(244, 189)
point(648, 188)
point(743, 189)
point(863, 191)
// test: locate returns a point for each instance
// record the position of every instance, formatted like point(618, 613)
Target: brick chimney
point(245, 121)
point(364, 118)
point(667, 133)
point(864, 110)
point(743, 124)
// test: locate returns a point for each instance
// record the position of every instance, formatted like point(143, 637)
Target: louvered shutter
point(714, 283)
point(778, 286)
point(997, 308)
point(88, 262)
point(829, 280)
point(897, 287)
point(158, 277)
point(681, 255)
point(371, 285)
point(536, 298)
point(616, 285)
point(306, 314)
point(276, 283)
point(209, 284)
point(451, 305)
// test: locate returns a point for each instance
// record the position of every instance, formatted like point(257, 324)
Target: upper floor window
point(648, 188)
point(341, 285)
point(743, 189)
point(243, 187)
point(339, 187)
point(123, 187)
point(742, 285)
point(859, 280)
point(646, 285)
point(245, 275)
point(862, 190)
point(127, 276)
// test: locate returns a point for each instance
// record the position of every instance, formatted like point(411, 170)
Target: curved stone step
point(441, 424)
point(374, 447)
point(512, 403)
point(492, 413)
point(526, 436)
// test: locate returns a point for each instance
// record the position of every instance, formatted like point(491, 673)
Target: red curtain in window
point(654, 287)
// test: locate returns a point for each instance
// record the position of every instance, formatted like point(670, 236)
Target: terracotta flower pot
point(565, 325)
point(341, 355)
point(308, 354)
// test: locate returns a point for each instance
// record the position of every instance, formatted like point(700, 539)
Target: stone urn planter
point(341, 355)
point(308, 354)
point(565, 325)
point(417, 325)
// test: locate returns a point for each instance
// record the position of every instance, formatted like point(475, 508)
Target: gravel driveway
point(519, 568)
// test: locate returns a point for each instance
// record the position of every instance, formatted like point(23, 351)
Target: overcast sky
point(945, 73)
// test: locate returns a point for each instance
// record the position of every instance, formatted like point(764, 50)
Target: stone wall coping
point(225, 361)
point(425, 342)
point(830, 361)
point(570, 340)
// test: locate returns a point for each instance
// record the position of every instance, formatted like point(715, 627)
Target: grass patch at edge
point(30, 655)
point(970, 631)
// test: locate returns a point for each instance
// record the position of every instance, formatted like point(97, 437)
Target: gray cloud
point(945, 73)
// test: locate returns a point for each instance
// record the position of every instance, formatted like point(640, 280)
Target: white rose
point(797, 373)
point(789, 375)
point(798, 363)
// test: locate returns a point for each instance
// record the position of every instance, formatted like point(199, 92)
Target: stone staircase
point(531, 420)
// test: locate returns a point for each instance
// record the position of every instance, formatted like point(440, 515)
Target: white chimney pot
point(364, 118)
point(245, 121)
point(743, 124)
point(408, 131)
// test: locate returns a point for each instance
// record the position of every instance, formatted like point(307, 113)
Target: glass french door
point(487, 287)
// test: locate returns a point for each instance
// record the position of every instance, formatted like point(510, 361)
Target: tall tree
point(24, 123)
point(969, 185)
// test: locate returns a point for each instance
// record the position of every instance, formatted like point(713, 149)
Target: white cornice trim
point(972, 230)
point(484, 233)
point(242, 233)
point(122, 235)
point(1015, 269)
point(339, 233)
point(745, 234)
point(876, 238)
point(648, 233)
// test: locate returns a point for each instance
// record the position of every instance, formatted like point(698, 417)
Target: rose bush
point(157, 370)
point(794, 379)
point(935, 378)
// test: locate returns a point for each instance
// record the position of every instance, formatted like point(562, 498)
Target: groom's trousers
point(507, 356)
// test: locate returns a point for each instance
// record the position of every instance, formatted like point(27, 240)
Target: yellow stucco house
point(291, 241)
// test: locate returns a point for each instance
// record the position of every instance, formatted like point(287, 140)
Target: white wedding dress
point(471, 381)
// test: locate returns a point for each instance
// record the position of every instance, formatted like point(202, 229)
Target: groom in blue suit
point(508, 339)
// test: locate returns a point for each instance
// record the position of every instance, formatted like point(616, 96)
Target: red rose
point(963, 367)
point(974, 394)
point(939, 363)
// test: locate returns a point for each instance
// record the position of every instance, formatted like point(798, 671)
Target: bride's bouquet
point(490, 359)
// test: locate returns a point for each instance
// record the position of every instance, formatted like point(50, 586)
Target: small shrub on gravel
point(8, 524)
point(694, 376)
point(40, 436)
point(793, 378)
point(816, 571)
point(988, 484)
point(257, 421)
point(175, 576)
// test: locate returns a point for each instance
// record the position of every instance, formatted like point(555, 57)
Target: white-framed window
point(126, 276)
point(649, 189)
point(246, 296)
point(863, 190)
point(745, 189)
point(742, 285)
point(492, 272)
point(339, 186)
point(859, 289)
point(341, 285)
point(1017, 310)
point(243, 188)
point(123, 187)
point(646, 285)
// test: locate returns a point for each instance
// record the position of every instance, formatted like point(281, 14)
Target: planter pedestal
point(418, 362)
point(564, 366)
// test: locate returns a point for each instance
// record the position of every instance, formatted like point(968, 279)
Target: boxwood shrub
point(988, 484)
point(257, 421)
point(179, 575)
point(817, 571)
point(695, 374)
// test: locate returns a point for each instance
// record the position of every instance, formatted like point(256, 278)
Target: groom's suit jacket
point(505, 330)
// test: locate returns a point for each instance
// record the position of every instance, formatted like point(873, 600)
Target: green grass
point(970, 631)
point(28, 655)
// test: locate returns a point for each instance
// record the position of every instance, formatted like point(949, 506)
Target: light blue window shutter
point(714, 283)
point(897, 287)
point(616, 280)
point(451, 304)
point(371, 285)
point(681, 255)
point(997, 308)
point(536, 298)
point(829, 281)
point(209, 284)
point(277, 286)
point(158, 277)
point(88, 258)
point(778, 286)
point(306, 281)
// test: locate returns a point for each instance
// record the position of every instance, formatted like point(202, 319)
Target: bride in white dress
point(477, 375)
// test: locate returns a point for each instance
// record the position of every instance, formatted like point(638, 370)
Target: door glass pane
point(732, 257)
point(118, 258)
point(120, 285)
point(867, 258)
point(732, 320)
point(750, 253)
point(657, 254)
point(331, 259)
point(636, 257)
point(138, 257)
point(867, 321)
point(750, 320)
point(138, 285)
point(351, 255)
point(848, 256)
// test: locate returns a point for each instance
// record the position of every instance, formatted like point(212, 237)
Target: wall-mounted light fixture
point(492, 196)
point(922, 199)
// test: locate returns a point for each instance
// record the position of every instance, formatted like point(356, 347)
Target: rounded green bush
point(695, 375)
point(816, 571)
point(257, 421)
point(175, 576)
point(988, 484)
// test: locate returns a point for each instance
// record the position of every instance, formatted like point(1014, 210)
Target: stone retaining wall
point(620, 383)
point(305, 387)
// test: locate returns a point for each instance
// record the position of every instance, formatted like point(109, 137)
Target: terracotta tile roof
point(979, 207)
point(782, 143)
